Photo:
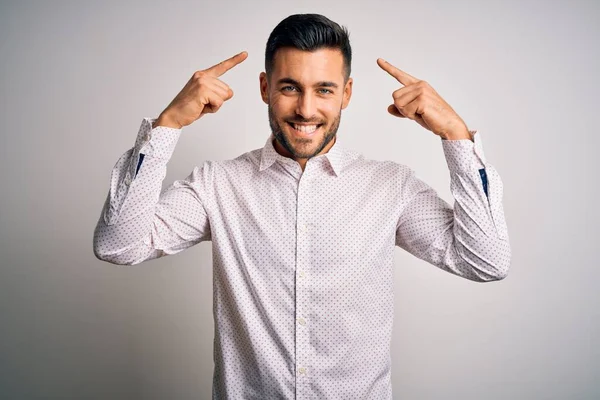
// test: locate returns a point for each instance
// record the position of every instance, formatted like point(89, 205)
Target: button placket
point(302, 289)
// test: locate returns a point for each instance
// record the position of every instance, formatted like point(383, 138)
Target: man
point(303, 231)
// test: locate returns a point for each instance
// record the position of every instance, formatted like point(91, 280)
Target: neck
point(302, 161)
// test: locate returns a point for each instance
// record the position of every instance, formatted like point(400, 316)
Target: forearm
point(124, 230)
point(125, 224)
point(479, 234)
point(476, 247)
point(468, 239)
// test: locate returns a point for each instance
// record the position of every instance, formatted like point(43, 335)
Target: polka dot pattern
point(302, 260)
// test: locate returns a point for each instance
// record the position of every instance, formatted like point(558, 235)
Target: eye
point(325, 91)
point(288, 88)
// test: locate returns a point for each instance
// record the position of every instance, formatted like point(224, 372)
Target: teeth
point(305, 128)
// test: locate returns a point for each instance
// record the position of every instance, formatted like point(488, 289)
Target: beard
point(298, 147)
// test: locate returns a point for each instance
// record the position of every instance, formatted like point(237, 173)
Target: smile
point(305, 129)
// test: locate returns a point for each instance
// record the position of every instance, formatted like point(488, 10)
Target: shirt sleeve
point(138, 222)
point(470, 239)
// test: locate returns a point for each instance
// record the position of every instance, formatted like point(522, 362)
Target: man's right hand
point(203, 94)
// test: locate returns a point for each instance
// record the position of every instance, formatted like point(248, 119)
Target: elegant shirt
point(302, 260)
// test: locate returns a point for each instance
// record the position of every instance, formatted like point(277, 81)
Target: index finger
point(403, 77)
point(224, 66)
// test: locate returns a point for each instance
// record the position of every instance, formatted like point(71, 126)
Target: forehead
point(308, 67)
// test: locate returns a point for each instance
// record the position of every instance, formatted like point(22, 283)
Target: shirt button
point(302, 370)
point(147, 137)
point(302, 321)
point(301, 274)
point(127, 180)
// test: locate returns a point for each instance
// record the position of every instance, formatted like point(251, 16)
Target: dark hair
point(308, 32)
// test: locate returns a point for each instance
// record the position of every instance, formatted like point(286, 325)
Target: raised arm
point(138, 222)
point(468, 239)
point(471, 238)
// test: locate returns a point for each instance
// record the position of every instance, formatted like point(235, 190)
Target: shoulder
point(385, 169)
point(243, 164)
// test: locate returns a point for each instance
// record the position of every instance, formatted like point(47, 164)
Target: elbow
point(105, 249)
point(495, 265)
point(103, 254)
point(503, 270)
point(499, 275)
point(488, 276)
point(99, 251)
point(496, 271)
point(502, 265)
point(100, 255)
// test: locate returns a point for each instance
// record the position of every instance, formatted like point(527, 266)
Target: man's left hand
point(418, 101)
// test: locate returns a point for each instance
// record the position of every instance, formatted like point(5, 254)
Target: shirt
point(302, 260)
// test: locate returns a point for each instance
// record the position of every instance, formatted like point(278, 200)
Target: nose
point(306, 106)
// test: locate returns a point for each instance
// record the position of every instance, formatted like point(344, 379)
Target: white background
point(76, 81)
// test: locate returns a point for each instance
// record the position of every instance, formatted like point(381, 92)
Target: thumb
point(394, 111)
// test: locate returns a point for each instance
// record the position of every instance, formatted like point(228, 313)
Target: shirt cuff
point(158, 142)
point(464, 155)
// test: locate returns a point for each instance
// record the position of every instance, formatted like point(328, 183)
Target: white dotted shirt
point(303, 260)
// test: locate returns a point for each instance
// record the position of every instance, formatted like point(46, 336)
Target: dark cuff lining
point(484, 180)
point(141, 158)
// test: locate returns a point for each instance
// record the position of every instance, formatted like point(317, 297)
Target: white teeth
point(305, 128)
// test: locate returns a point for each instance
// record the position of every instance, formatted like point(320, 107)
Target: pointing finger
point(224, 66)
point(402, 77)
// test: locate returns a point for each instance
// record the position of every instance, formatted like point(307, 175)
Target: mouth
point(305, 130)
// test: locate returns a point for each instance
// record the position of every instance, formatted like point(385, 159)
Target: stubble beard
point(287, 144)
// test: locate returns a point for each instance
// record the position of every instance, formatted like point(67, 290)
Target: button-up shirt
point(302, 260)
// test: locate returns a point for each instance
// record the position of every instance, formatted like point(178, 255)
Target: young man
point(303, 230)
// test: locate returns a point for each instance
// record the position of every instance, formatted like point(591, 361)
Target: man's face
point(305, 95)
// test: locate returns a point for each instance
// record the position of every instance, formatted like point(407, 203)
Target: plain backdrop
point(76, 80)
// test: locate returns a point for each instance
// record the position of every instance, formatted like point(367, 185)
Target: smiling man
point(303, 230)
point(304, 110)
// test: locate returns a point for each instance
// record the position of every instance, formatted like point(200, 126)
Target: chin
point(304, 145)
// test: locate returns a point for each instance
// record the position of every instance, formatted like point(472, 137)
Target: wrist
point(166, 120)
point(458, 137)
point(462, 135)
point(457, 131)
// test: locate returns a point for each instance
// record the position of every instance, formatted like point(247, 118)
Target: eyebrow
point(318, 84)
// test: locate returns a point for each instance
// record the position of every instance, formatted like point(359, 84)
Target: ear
point(347, 93)
point(264, 87)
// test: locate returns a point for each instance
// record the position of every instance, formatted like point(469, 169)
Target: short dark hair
point(308, 32)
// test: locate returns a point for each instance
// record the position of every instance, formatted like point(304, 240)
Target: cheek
point(330, 110)
point(281, 106)
point(285, 107)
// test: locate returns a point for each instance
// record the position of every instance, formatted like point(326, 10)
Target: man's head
point(307, 82)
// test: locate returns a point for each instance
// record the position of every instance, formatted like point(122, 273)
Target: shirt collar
point(337, 156)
